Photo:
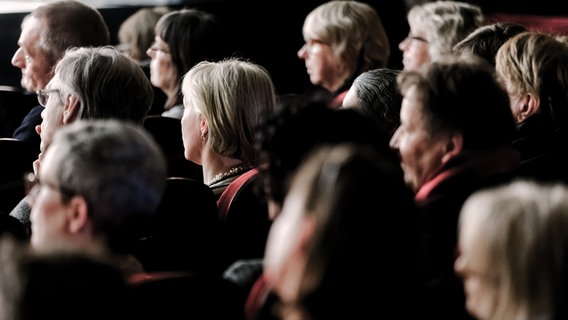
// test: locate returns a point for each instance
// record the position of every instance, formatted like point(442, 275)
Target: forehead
point(31, 30)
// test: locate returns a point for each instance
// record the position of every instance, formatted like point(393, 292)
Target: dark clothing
point(440, 201)
point(26, 131)
point(544, 150)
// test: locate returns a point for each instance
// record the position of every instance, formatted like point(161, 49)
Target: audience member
point(342, 39)
point(534, 69)
point(375, 94)
point(286, 138)
point(447, 151)
point(135, 36)
point(47, 32)
point(73, 207)
point(90, 83)
point(60, 284)
point(325, 257)
point(435, 27)
point(225, 102)
point(182, 39)
point(512, 251)
point(487, 39)
point(136, 33)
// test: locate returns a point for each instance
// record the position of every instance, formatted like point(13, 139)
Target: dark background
point(269, 32)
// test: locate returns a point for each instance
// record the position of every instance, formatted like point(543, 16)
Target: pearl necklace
point(224, 175)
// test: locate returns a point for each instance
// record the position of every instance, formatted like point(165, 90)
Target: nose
point(302, 52)
point(393, 143)
point(150, 52)
point(403, 45)
point(18, 60)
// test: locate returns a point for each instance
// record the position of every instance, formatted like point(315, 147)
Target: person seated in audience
point(47, 32)
point(330, 254)
point(182, 39)
point(99, 183)
point(89, 83)
point(225, 102)
point(486, 40)
point(435, 27)
point(512, 251)
point(533, 67)
point(342, 39)
point(455, 138)
point(375, 94)
point(286, 138)
point(135, 36)
point(60, 284)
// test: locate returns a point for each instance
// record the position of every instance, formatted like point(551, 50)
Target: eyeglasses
point(416, 38)
point(32, 185)
point(155, 48)
point(43, 95)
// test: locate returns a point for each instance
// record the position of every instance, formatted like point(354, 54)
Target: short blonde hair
point(353, 30)
point(233, 95)
point(445, 23)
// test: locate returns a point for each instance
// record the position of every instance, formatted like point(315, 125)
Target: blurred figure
point(89, 83)
point(342, 39)
point(60, 284)
point(136, 35)
point(533, 67)
point(182, 39)
point(435, 27)
point(285, 140)
point(455, 138)
point(325, 257)
point(375, 94)
point(512, 251)
point(103, 212)
point(47, 32)
point(486, 40)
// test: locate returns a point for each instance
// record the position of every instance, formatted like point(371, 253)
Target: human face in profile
point(414, 50)
point(421, 152)
point(472, 265)
point(163, 73)
point(30, 58)
point(321, 64)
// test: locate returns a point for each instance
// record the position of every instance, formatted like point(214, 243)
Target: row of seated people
point(199, 133)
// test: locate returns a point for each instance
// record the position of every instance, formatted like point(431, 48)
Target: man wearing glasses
point(89, 83)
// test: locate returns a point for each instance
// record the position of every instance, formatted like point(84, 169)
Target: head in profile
point(438, 127)
point(182, 38)
point(287, 137)
point(512, 251)
point(98, 183)
point(136, 33)
point(225, 102)
point(324, 249)
point(48, 31)
point(375, 94)
point(486, 40)
point(435, 27)
point(342, 39)
point(93, 83)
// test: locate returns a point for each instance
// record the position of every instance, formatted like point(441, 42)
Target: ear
point(453, 147)
point(204, 129)
point(529, 105)
point(306, 233)
point(71, 109)
point(78, 217)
